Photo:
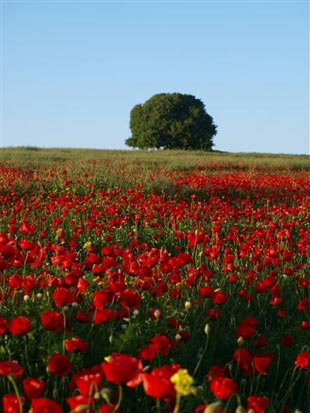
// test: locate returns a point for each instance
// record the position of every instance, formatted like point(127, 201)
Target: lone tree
point(171, 121)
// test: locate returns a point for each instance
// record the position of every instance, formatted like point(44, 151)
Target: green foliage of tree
point(171, 121)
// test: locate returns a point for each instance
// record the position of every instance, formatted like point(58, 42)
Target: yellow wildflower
point(87, 246)
point(183, 382)
point(58, 233)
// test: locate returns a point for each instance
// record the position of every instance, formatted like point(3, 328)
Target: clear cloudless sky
point(73, 70)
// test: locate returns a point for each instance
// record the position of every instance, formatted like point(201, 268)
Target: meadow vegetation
point(160, 281)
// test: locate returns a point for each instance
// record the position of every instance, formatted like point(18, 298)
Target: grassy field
point(154, 281)
point(168, 159)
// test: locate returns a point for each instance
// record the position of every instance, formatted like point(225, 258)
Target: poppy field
point(166, 282)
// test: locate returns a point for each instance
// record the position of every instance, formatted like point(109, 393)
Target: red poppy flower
point(3, 264)
point(260, 342)
point(184, 334)
point(162, 344)
point(244, 359)
point(15, 282)
point(27, 228)
point(122, 369)
point(258, 404)
point(103, 316)
point(3, 325)
point(11, 367)
point(25, 244)
point(249, 321)
point(206, 292)
point(303, 360)
point(75, 345)
point(287, 340)
point(213, 314)
point(304, 325)
point(216, 371)
point(261, 363)
point(33, 388)
point(43, 405)
point(246, 328)
point(223, 387)
point(8, 251)
point(89, 384)
point(29, 283)
point(158, 385)
point(304, 304)
point(220, 298)
point(148, 353)
point(131, 298)
point(59, 365)
point(182, 259)
point(11, 404)
point(80, 404)
point(201, 408)
point(4, 239)
point(19, 326)
point(53, 321)
point(82, 317)
point(108, 409)
point(82, 285)
point(91, 371)
point(101, 299)
point(62, 296)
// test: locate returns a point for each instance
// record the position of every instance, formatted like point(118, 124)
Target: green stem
point(277, 372)
point(64, 334)
point(228, 403)
point(291, 385)
point(120, 397)
point(12, 381)
point(24, 267)
point(92, 386)
point(177, 404)
point(26, 354)
point(201, 357)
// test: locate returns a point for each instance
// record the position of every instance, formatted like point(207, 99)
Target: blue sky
point(72, 71)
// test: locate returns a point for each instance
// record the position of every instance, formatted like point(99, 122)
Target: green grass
point(174, 160)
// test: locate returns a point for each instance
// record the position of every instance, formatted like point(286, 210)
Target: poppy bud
point(207, 329)
point(157, 314)
point(105, 393)
point(213, 407)
point(240, 341)
point(240, 409)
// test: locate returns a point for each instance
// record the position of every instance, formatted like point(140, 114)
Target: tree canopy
point(171, 121)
